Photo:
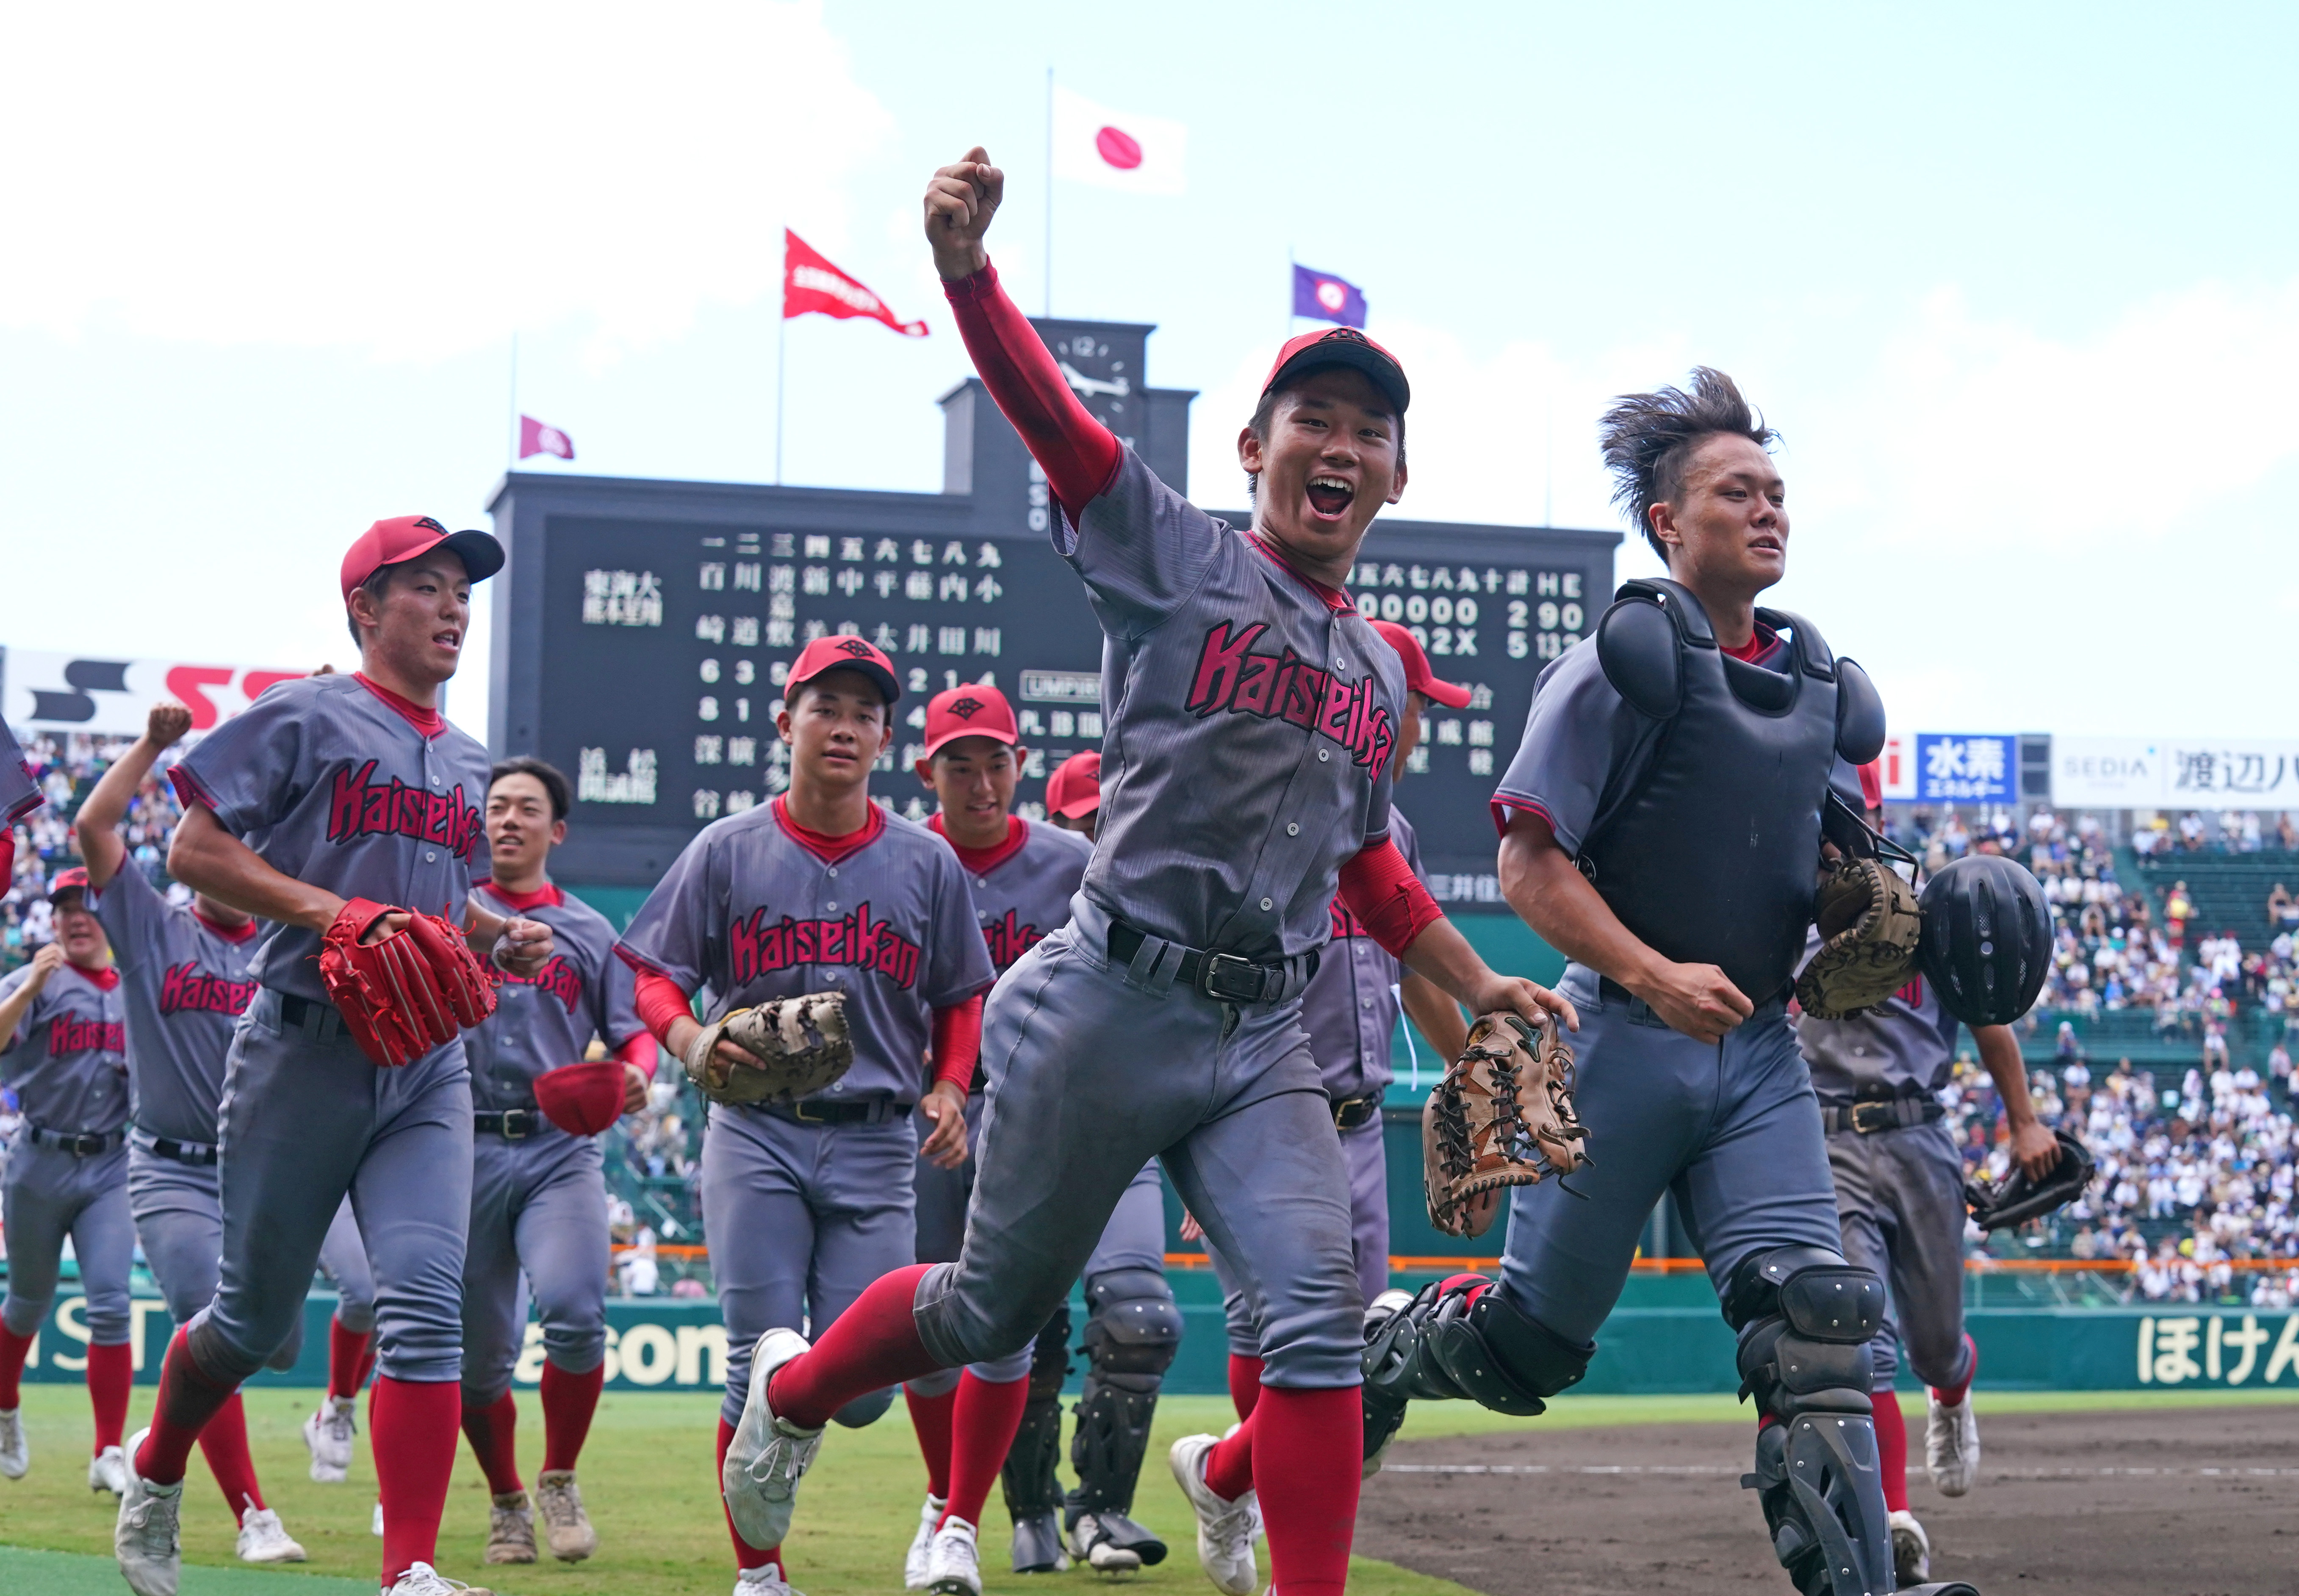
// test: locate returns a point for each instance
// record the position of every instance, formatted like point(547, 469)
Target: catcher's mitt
point(801, 1045)
point(2015, 1199)
point(1502, 1116)
point(414, 990)
point(1870, 928)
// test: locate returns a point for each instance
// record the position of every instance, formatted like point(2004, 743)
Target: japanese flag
point(1114, 149)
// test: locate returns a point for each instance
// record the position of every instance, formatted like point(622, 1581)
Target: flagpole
point(1050, 191)
point(781, 338)
point(510, 444)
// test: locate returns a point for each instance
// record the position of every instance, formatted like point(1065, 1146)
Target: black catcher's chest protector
point(1710, 851)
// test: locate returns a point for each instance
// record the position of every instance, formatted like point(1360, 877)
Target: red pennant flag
point(535, 438)
point(811, 285)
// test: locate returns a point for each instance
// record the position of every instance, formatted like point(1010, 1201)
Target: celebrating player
point(323, 790)
point(1899, 1198)
point(183, 983)
point(1253, 716)
point(63, 1051)
point(538, 1187)
point(1661, 828)
point(807, 1203)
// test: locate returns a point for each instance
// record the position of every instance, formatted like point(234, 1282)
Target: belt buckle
point(1209, 978)
point(1344, 1108)
point(1887, 1117)
point(799, 1112)
point(516, 1125)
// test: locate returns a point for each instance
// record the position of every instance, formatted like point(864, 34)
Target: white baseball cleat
point(328, 1434)
point(567, 1527)
point(510, 1529)
point(914, 1561)
point(1912, 1550)
point(768, 1456)
point(421, 1579)
point(1225, 1528)
point(374, 1525)
point(954, 1561)
point(765, 1580)
point(1952, 1444)
point(108, 1471)
point(263, 1539)
point(1090, 1544)
point(144, 1536)
point(15, 1446)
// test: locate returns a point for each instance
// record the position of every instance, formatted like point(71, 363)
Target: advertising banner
point(2172, 772)
point(41, 692)
point(1966, 767)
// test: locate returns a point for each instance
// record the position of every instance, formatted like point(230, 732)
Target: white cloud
point(419, 180)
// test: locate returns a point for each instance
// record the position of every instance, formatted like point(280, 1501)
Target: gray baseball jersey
point(1350, 1005)
point(335, 785)
point(1904, 1045)
point(67, 1060)
point(749, 911)
point(1251, 718)
point(20, 794)
point(1022, 889)
point(548, 1020)
point(184, 983)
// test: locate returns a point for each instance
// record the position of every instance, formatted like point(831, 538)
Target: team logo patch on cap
point(428, 525)
point(854, 647)
point(966, 709)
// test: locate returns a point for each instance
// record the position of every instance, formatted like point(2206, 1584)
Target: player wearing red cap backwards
point(1252, 718)
point(337, 798)
point(63, 1051)
point(805, 1203)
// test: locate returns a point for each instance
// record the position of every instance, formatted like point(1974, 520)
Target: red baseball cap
point(970, 712)
point(1342, 346)
point(843, 654)
point(1417, 673)
point(1871, 783)
point(1073, 790)
point(404, 537)
point(74, 879)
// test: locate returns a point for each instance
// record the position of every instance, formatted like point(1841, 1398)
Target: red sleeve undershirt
point(1382, 891)
point(957, 1042)
point(661, 1002)
point(640, 1053)
point(1078, 453)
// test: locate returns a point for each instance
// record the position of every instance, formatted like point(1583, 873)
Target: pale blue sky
point(2020, 286)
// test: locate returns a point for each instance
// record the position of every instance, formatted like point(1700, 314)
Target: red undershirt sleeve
point(1382, 891)
point(640, 1051)
point(658, 1003)
point(1078, 453)
point(957, 1042)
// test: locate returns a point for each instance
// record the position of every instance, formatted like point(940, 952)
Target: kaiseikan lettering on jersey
point(330, 784)
point(548, 1020)
point(68, 1061)
point(183, 983)
point(1251, 716)
point(1025, 897)
point(748, 911)
point(1349, 1007)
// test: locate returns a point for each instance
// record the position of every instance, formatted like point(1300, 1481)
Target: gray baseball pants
point(304, 1121)
point(799, 1219)
point(1732, 1127)
point(1095, 1068)
point(1899, 1198)
point(47, 1194)
point(538, 1205)
point(179, 1213)
point(342, 1255)
point(1366, 1153)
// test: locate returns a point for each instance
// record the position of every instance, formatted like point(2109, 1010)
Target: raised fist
point(166, 724)
point(961, 199)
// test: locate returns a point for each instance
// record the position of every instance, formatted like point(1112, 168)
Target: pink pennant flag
point(535, 438)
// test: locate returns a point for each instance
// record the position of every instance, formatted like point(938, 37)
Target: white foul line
point(1710, 1469)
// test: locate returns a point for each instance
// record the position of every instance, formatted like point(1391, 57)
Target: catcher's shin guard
point(1460, 1338)
point(1130, 1341)
point(1806, 1317)
point(1033, 1490)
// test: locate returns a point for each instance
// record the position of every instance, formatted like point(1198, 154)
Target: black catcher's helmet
point(1987, 938)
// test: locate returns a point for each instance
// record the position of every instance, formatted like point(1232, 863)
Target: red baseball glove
point(414, 990)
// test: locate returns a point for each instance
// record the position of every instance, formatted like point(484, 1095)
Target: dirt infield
point(2160, 1503)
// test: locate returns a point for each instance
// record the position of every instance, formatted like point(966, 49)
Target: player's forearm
point(1078, 453)
point(1434, 1015)
point(101, 812)
point(1999, 1055)
point(958, 1044)
point(207, 859)
point(1441, 956)
point(1540, 882)
point(19, 1003)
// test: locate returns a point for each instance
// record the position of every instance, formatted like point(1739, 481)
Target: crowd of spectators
point(66, 768)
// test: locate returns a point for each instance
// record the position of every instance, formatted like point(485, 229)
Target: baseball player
point(1074, 794)
point(329, 1429)
point(1023, 878)
point(539, 1186)
point(184, 981)
point(1662, 827)
point(1252, 717)
point(1350, 1011)
point(338, 808)
point(1899, 1198)
point(63, 1051)
point(820, 890)
point(19, 795)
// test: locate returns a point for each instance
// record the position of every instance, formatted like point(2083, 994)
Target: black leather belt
point(1873, 1114)
point(1349, 1112)
point(1223, 977)
point(78, 1143)
point(197, 1154)
point(513, 1124)
point(320, 1021)
point(860, 1110)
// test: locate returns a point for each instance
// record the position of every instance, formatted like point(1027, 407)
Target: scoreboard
point(644, 630)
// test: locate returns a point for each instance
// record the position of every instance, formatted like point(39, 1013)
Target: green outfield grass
point(647, 1476)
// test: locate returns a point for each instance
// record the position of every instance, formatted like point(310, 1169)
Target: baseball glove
point(1502, 1116)
point(2015, 1199)
point(1870, 929)
point(801, 1045)
point(414, 990)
